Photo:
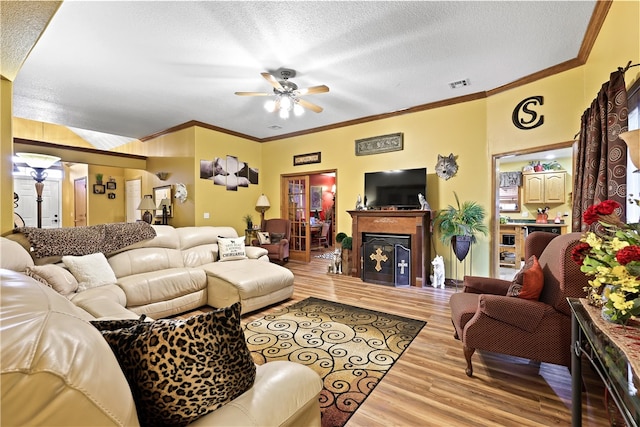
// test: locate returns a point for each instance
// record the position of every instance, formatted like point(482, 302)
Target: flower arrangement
point(611, 254)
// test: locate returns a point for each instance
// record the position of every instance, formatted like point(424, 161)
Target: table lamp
point(632, 138)
point(146, 204)
point(262, 205)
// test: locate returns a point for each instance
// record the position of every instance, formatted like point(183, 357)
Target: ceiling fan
point(287, 94)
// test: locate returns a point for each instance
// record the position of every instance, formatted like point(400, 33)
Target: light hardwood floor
point(427, 386)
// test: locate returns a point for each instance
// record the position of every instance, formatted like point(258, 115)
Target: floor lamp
point(262, 205)
point(39, 163)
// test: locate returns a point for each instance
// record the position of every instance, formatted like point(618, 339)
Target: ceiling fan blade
point(273, 81)
point(309, 105)
point(312, 90)
point(253, 94)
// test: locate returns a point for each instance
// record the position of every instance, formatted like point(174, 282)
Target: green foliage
point(248, 219)
point(99, 177)
point(340, 236)
point(466, 219)
point(347, 242)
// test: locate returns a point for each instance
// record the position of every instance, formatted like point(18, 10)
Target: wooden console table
point(415, 223)
point(605, 347)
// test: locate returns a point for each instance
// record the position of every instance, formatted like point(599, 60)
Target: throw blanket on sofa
point(105, 238)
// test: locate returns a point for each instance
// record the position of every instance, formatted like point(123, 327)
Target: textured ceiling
point(137, 68)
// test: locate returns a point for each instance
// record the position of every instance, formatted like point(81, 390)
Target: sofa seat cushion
point(161, 285)
point(181, 369)
point(252, 280)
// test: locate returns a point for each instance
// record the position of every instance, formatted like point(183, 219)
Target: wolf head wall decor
point(446, 167)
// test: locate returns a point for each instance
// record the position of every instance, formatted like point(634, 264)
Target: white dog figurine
point(438, 272)
point(424, 205)
point(336, 262)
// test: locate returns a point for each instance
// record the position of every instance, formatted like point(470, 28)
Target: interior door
point(133, 194)
point(27, 205)
point(296, 209)
point(80, 202)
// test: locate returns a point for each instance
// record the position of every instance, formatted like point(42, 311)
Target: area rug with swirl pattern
point(351, 348)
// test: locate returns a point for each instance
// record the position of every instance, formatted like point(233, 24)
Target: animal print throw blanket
point(105, 238)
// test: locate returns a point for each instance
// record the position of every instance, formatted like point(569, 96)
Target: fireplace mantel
point(416, 223)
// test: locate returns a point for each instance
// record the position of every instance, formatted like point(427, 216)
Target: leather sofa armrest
point(521, 313)
point(255, 252)
point(485, 285)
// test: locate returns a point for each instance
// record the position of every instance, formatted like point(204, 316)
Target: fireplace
point(386, 259)
point(413, 223)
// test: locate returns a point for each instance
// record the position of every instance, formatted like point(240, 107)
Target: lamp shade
point(263, 202)
point(146, 204)
point(39, 161)
point(632, 138)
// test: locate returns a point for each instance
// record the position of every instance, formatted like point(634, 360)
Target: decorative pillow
point(230, 249)
point(514, 290)
point(531, 280)
point(263, 238)
point(54, 276)
point(276, 237)
point(90, 271)
point(178, 369)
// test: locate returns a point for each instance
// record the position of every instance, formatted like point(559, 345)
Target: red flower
point(593, 213)
point(607, 207)
point(579, 252)
point(628, 254)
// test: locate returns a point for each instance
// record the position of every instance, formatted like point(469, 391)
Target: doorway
point(308, 201)
point(26, 204)
point(513, 206)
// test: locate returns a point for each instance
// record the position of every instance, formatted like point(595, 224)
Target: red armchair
point(279, 229)
point(485, 318)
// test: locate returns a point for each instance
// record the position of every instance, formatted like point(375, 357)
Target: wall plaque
point(306, 159)
point(379, 144)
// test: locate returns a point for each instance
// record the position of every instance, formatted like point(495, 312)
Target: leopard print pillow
point(179, 370)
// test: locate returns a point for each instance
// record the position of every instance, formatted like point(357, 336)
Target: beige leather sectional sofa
point(58, 370)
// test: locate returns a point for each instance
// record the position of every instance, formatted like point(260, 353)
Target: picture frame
point(111, 185)
point(307, 159)
point(159, 193)
point(315, 195)
point(99, 189)
point(111, 195)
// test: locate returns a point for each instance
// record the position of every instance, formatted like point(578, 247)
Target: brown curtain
point(601, 161)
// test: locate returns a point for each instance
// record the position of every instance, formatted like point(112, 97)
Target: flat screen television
point(395, 188)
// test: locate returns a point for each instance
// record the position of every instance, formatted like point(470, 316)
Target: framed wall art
point(98, 189)
point(380, 144)
point(316, 198)
point(306, 159)
point(111, 185)
point(159, 193)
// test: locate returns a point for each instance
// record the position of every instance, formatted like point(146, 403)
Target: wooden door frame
point(284, 204)
point(494, 270)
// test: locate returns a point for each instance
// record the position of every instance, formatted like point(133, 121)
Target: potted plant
point(459, 225)
point(345, 243)
point(99, 178)
point(249, 220)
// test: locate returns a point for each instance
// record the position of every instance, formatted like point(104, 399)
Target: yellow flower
point(593, 240)
point(617, 244)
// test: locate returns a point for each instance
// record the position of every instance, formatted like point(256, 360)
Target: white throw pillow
point(54, 276)
point(263, 238)
point(90, 271)
point(230, 249)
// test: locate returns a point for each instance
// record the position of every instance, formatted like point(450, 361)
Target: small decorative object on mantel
point(359, 206)
point(611, 254)
point(424, 205)
point(380, 144)
point(446, 166)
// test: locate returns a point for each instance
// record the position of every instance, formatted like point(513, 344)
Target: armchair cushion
point(263, 238)
point(509, 311)
point(530, 280)
point(276, 238)
point(486, 285)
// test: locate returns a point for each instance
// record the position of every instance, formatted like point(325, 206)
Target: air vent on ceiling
point(459, 83)
point(275, 127)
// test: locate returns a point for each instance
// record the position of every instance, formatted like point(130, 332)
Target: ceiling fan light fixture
point(284, 113)
point(270, 105)
point(298, 110)
point(285, 102)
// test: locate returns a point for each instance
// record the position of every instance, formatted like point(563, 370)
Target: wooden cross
point(377, 257)
point(402, 264)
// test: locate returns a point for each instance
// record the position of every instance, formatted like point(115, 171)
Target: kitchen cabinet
point(544, 187)
point(511, 245)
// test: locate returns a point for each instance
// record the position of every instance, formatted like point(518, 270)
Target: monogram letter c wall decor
point(534, 120)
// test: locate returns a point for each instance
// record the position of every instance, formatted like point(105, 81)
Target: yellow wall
point(103, 210)
point(6, 153)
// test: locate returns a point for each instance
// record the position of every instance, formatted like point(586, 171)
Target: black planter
point(249, 225)
point(461, 246)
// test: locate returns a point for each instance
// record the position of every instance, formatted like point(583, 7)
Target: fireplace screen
point(386, 259)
